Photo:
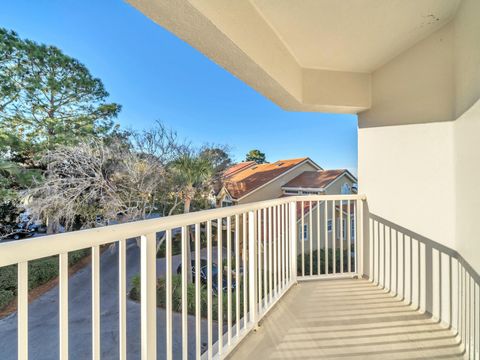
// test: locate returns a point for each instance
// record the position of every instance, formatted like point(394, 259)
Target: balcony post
point(148, 297)
point(252, 268)
point(293, 240)
point(360, 244)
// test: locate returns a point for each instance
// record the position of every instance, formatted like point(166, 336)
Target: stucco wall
point(467, 130)
point(416, 86)
point(424, 176)
point(467, 176)
point(408, 175)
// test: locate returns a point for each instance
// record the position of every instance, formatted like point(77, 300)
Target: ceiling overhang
point(310, 55)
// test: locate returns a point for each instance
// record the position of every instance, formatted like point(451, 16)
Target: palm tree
point(193, 172)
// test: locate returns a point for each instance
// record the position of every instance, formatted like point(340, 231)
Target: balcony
point(347, 319)
point(306, 277)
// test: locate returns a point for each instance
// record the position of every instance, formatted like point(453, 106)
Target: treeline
point(65, 160)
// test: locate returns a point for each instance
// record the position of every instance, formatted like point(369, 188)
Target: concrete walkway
point(43, 317)
point(347, 319)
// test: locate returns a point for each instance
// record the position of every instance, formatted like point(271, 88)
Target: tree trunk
point(186, 210)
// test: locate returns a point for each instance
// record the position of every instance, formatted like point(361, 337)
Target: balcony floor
point(346, 319)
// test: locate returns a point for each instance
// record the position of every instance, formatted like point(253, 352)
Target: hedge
point(40, 272)
point(177, 297)
point(322, 262)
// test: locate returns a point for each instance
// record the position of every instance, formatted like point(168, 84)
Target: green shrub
point(42, 271)
point(8, 278)
point(322, 262)
point(6, 296)
point(177, 243)
point(177, 297)
point(39, 272)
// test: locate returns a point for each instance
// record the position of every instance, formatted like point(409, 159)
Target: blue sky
point(156, 76)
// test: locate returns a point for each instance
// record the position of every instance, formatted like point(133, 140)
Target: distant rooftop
point(315, 179)
point(245, 177)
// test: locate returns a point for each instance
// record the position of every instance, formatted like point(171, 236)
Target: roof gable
point(316, 179)
point(243, 182)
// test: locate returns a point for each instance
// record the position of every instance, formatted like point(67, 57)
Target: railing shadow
point(429, 276)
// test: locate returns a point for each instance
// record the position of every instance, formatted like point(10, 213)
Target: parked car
point(37, 228)
point(204, 276)
point(19, 232)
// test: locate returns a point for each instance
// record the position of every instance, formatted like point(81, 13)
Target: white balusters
point(220, 284)
point(325, 211)
point(270, 257)
point(245, 269)
point(293, 241)
point(349, 237)
point(63, 306)
point(318, 237)
point(237, 274)
point(122, 299)
point(96, 303)
point(198, 266)
point(229, 281)
point(148, 297)
point(310, 237)
point(22, 315)
point(334, 237)
point(341, 236)
point(252, 268)
point(265, 252)
point(185, 268)
point(168, 300)
point(209, 289)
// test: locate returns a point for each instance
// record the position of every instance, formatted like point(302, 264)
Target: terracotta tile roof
point(237, 167)
point(240, 183)
point(315, 179)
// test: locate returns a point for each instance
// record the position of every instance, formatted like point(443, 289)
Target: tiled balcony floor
point(346, 319)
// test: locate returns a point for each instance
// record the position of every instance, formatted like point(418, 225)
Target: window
point(343, 229)
point(308, 192)
point(305, 232)
point(346, 189)
point(352, 228)
point(329, 225)
point(226, 203)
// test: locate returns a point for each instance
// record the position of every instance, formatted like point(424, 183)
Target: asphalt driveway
point(43, 317)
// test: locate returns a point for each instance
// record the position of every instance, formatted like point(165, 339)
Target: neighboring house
point(248, 182)
point(321, 182)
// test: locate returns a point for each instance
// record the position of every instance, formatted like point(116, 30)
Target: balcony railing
point(270, 246)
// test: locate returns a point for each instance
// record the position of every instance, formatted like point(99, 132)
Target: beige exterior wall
point(274, 189)
point(424, 176)
point(416, 86)
point(467, 175)
point(421, 179)
point(467, 130)
point(336, 186)
point(408, 175)
point(312, 223)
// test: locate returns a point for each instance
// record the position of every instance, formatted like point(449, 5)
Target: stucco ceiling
point(352, 35)
point(307, 55)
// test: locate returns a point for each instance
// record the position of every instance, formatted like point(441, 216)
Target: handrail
point(268, 232)
point(35, 248)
